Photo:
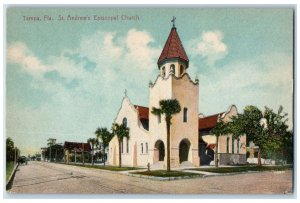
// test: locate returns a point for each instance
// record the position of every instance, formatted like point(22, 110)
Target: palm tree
point(105, 136)
point(218, 130)
point(92, 142)
point(121, 131)
point(167, 107)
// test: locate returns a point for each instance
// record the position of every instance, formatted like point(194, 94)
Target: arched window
point(185, 112)
point(122, 147)
point(163, 72)
point(232, 145)
point(124, 122)
point(172, 68)
point(127, 145)
point(227, 145)
point(181, 69)
point(146, 145)
point(142, 148)
point(238, 145)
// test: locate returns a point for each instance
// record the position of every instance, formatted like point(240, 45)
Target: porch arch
point(184, 148)
point(159, 151)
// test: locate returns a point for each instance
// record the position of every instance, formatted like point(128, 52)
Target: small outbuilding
point(74, 148)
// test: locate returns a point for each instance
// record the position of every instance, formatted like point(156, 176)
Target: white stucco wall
point(167, 66)
point(222, 147)
point(137, 135)
point(187, 93)
point(162, 89)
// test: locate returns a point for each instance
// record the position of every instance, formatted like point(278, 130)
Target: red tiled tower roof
point(173, 48)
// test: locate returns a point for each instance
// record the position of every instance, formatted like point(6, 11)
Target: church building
point(191, 143)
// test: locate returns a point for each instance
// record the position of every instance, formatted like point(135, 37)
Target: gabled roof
point(143, 111)
point(77, 146)
point(173, 48)
point(208, 122)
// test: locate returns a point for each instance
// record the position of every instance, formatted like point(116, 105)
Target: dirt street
point(50, 178)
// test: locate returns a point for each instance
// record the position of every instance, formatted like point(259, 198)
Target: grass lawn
point(9, 169)
point(243, 169)
point(164, 173)
point(107, 167)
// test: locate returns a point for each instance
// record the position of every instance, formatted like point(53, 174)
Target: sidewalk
point(188, 169)
point(202, 174)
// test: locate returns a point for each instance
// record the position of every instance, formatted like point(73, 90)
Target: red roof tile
point(208, 122)
point(143, 111)
point(173, 48)
point(77, 146)
point(212, 146)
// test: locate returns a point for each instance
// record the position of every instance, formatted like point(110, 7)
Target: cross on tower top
point(173, 21)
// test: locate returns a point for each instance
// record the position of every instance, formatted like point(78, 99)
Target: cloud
point(18, 53)
point(138, 43)
point(210, 46)
point(265, 80)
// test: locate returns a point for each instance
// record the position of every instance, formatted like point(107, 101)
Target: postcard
point(149, 100)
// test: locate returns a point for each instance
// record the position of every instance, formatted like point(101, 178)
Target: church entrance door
point(184, 148)
point(159, 151)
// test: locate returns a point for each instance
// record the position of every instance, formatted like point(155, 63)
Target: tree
point(168, 107)
point(219, 130)
point(10, 151)
point(287, 147)
point(105, 136)
point(51, 142)
point(92, 142)
point(249, 123)
point(121, 131)
point(263, 128)
point(276, 131)
point(57, 151)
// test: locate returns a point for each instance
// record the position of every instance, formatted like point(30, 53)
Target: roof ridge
point(212, 115)
point(170, 38)
point(140, 106)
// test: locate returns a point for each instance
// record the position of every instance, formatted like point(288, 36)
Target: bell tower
point(173, 59)
point(173, 82)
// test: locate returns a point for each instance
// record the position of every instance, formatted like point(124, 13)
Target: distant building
point(74, 149)
point(43, 153)
point(38, 157)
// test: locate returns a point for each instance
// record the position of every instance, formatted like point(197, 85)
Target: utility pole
point(51, 142)
point(75, 154)
point(15, 156)
point(82, 154)
point(56, 154)
point(57, 144)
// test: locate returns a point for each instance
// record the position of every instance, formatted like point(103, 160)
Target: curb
point(190, 177)
point(99, 169)
point(11, 178)
point(163, 178)
point(234, 173)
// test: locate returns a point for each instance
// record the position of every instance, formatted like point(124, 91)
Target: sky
point(65, 78)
